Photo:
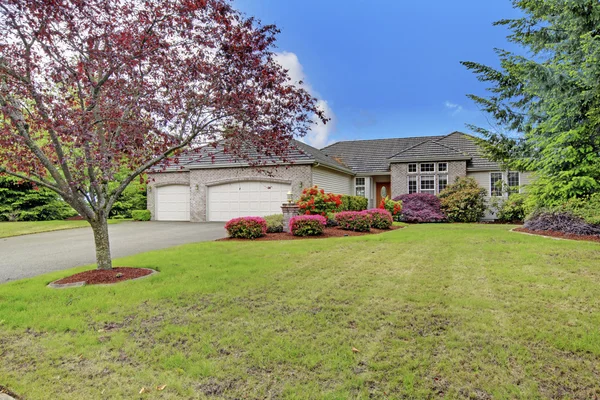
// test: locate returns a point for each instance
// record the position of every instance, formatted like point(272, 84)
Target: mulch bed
point(96, 276)
point(560, 235)
point(328, 233)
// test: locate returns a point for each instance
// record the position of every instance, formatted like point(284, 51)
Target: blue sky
point(387, 68)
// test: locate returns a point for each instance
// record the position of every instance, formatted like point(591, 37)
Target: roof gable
point(429, 150)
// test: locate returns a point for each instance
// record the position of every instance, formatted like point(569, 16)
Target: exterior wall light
point(289, 197)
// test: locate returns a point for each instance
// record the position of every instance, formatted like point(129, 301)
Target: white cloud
point(454, 108)
point(319, 135)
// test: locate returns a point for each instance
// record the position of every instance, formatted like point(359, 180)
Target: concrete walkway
point(31, 255)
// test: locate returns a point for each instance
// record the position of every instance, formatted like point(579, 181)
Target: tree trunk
point(100, 228)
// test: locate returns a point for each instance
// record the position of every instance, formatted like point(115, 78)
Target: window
point(496, 184)
point(442, 167)
point(412, 184)
point(428, 167)
point(442, 182)
point(359, 184)
point(428, 184)
point(513, 181)
point(412, 167)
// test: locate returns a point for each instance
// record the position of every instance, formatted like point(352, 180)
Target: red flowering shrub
point(359, 221)
point(380, 219)
point(394, 207)
point(246, 227)
point(307, 225)
point(421, 207)
point(315, 201)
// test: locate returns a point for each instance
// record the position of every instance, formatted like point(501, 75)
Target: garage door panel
point(245, 198)
point(173, 203)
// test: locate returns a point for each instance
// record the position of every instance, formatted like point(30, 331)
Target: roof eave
point(425, 159)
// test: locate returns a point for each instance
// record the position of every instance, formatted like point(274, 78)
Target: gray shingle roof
point(375, 156)
point(466, 143)
point(429, 150)
point(217, 157)
point(368, 156)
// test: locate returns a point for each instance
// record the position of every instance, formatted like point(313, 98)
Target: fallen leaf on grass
point(355, 350)
point(142, 390)
point(162, 387)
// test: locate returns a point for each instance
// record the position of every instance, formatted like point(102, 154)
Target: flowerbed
point(328, 233)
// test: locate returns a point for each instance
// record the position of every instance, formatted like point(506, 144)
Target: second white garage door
point(245, 198)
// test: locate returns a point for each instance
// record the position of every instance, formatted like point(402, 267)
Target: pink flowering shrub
point(359, 221)
point(380, 219)
point(307, 225)
point(246, 227)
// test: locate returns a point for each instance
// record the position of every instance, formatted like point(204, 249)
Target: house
point(211, 186)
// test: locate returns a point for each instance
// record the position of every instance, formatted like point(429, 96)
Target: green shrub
point(246, 227)
point(307, 225)
point(586, 208)
point(274, 223)
point(140, 215)
point(354, 203)
point(359, 221)
point(133, 198)
point(463, 201)
point(511, 209)
point(394, 207)
point(21, 201)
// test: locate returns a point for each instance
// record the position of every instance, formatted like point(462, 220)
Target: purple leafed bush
point(246, 227)
point(562, 222)
point(380, 219)
point(359, 221)
point(307, 225)
point(421, 207)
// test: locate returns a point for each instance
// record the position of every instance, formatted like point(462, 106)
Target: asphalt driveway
point(31, 255)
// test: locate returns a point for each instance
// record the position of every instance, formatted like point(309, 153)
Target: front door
point(383, 191)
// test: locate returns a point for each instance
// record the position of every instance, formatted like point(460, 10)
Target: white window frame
point(518, 185)
point(363, 186)
point(442, 170)
point(426, 172)
point(421, 184)
point(492, 187)
point(416, 181)
point(416, 171)
point(439, 190)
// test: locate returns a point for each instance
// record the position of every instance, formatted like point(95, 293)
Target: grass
point(8, 229)
point(470, 311)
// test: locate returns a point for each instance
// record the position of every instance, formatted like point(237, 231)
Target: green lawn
point(8, 229)
point(469, 311)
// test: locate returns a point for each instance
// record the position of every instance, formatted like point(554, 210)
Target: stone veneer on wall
point(399, 177)
point(299, 176)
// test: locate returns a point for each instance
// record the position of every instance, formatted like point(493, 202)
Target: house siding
point(299, 176)
point(332, 181)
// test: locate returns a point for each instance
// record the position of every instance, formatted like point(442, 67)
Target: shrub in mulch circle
point(307, 225)
point(246, 227)
point(561, 222)
point(359, 221)
point(421, 207)
point(380, 219)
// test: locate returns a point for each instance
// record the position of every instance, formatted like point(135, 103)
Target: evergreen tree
point(546, 100)
point(21, 201)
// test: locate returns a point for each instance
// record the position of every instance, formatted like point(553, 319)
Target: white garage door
point(173, 203)
point(245, 199)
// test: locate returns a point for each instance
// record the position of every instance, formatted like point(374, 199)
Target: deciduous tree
point(89, 89)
